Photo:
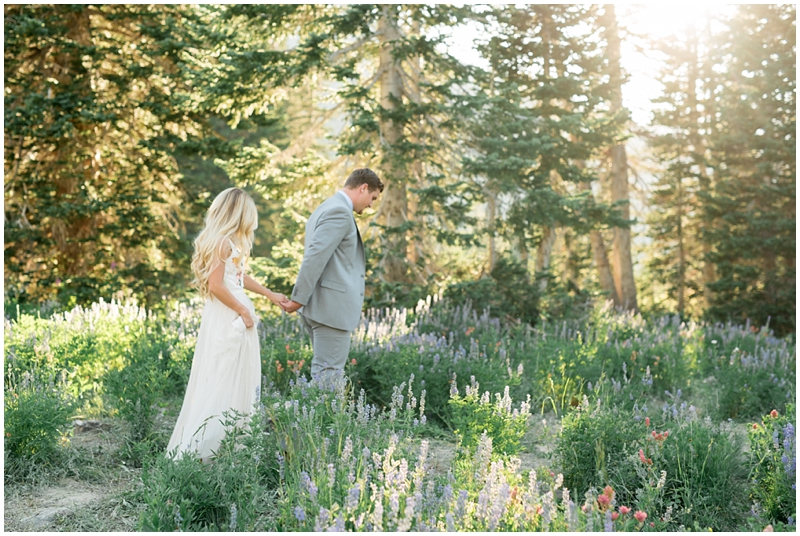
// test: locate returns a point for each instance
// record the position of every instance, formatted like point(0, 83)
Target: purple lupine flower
point(789, 458)
point(338, 524)
point(461, 506)
point(448, 518)
point(351, 502)
point(548, 507)
point(447, 493)
point(394, 507)
point(483, 504)
point(499, 507)
point(280, 465)
point(299, 514)
point(331, 475)
point(309, 485)
point(607, 522)
point(322, 520)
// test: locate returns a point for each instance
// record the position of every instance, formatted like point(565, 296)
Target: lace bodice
point(234, 271)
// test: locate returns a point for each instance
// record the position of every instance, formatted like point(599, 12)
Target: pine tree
point(621, 248)
point(678, 252)
point(97, 108)
point(537, 120)
point(753, 202)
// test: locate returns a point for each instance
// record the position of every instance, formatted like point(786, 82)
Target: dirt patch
point(39, 509)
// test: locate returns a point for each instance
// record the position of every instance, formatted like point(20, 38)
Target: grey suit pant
point(331, 347)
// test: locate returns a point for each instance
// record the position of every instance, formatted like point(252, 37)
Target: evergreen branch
point(342, 51)
point(306, 138)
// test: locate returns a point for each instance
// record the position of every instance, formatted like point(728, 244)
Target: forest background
point(509, 178)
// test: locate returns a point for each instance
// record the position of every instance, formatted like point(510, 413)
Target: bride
point(226, 369)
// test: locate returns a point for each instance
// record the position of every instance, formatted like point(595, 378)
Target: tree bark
point(601, 261)
point(621, 249)
point(572, 275)
point(681, 285)
point(394, 205)
point(543, 253)
point(491, 218)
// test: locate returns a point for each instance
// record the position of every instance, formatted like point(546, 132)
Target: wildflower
point(755, 426)
point(614, 516)
point(609, 518)
point(232, 525)
point(353, 362)
point(652, 524)
point(647, 421)
point(451, 527)
point(331, 475)
point(299, 514)
point(646, 461)
point(662, 479)
point(608, 492)
point(624, 510)
point(768, 528)
point(640, 516)
point(322, 519)
point(308, 484)
point(352, 497)
point(603, 501)
point(774, 413)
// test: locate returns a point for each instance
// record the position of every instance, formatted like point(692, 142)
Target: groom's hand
point(290, 306)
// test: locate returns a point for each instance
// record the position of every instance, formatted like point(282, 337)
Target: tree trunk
point(491, 217)
point(621, 250)
point(394, 205)
point(414, 247)
point(572, 271)
point(543, 253)
point(601, 261)
point(681, 285)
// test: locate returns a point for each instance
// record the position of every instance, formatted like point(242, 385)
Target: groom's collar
point(349, 201)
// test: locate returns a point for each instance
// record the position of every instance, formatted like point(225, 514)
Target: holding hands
point(290, 306)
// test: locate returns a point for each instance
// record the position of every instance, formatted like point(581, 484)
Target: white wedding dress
point(226, 371)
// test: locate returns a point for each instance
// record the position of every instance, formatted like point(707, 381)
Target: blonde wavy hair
point(232, 215)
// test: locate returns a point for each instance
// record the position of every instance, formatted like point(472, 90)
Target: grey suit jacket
point(330, 284)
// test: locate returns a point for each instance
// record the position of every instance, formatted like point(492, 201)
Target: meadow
point(447, 419)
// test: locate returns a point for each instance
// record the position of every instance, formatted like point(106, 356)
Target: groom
point(330, 286)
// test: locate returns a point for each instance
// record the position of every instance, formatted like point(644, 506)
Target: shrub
point(37, 416)
point(700, 470)
point(746, 371)
point(594, 445)
point(475, 416)
point(678, 468)
point(508, 292)
point(134, 389)
point(189, 495)
point(773, 458)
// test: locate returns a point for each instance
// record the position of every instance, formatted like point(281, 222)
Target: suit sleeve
point(331, 229)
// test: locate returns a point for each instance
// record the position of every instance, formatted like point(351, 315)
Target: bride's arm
point(220, 291)
point(254, 286)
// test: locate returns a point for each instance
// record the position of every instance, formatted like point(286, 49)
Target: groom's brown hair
point(364, 176)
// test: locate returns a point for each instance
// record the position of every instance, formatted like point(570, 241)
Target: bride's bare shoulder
point(224, 249)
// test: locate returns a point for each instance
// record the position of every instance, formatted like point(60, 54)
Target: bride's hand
point(247, 319)
point(277, 298)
